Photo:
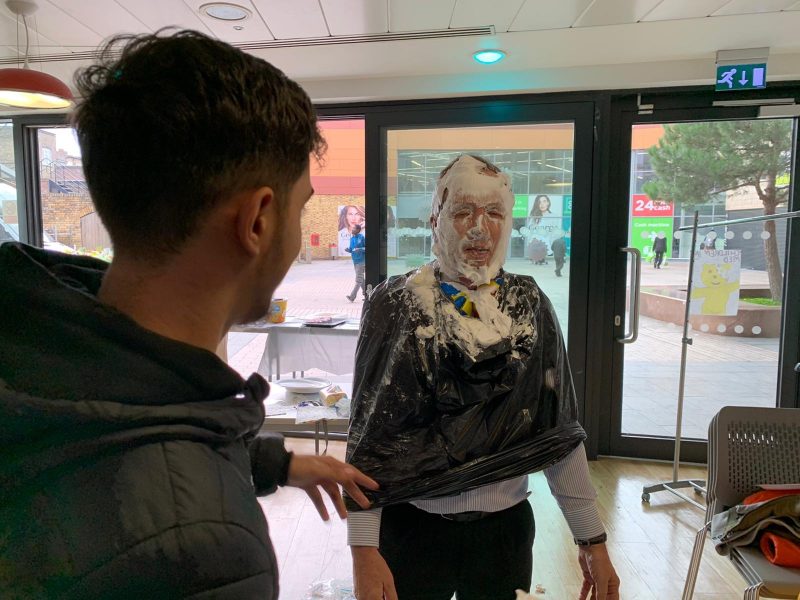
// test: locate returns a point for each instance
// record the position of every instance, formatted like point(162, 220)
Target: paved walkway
point(721, 370)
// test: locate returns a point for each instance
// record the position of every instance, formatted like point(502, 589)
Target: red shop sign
point(644, 206)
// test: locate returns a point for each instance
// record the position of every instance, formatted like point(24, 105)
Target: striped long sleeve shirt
point(569, 483)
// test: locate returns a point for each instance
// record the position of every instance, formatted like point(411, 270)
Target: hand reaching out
point(310, 473)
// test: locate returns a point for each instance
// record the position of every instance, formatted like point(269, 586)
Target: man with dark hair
point(131, 461)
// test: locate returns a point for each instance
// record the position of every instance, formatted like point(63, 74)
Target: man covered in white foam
point(462, 388)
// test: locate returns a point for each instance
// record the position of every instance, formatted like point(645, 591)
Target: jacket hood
point(79, 378)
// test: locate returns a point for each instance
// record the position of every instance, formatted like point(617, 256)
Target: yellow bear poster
point(715, 282)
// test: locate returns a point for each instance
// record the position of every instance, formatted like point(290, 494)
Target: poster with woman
point(349, 215)
point(544, 224)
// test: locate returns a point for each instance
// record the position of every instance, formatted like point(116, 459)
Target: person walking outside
point(357, 250)
point(659, 248)
point(559, 247)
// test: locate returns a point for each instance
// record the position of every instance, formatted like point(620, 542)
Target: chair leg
point(753, 592)
point(694, 562)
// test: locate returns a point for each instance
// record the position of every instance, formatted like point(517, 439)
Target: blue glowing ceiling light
point(489, 57)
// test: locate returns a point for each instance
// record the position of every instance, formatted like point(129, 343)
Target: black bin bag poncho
point(435, 413)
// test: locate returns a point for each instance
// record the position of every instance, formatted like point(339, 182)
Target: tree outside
point(693, 162)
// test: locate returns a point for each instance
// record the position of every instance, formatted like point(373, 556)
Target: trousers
point(360, 269)
point(432, 557)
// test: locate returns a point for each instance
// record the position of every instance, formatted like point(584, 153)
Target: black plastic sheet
point(431, 417)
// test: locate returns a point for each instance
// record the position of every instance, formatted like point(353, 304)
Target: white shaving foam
point(470, 180)
point(472, 334)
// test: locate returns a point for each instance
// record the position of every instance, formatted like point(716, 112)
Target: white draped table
point(293, 346)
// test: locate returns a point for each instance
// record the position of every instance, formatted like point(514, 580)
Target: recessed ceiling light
point(489, 57)
point(224, 11)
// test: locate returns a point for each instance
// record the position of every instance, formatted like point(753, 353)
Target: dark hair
point(172, 124)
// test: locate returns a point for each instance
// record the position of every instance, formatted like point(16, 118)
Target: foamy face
point(472, 208)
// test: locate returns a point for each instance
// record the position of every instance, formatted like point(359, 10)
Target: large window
point(533, 172)
point(323, 278)
point(9, 219)
point(735, 335)
point(69, 221)
point(712, 208)
point(323, 275)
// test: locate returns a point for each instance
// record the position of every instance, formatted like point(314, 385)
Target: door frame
point(670, 107)
point(26, 165)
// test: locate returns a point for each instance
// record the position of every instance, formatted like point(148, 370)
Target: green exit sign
point(741, 77)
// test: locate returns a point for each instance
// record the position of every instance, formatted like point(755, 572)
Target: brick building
point(338, 180)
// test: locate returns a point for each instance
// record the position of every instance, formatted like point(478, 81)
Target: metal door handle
point(636, 282)
point(797, 368)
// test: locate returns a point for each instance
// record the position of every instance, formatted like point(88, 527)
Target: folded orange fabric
point(780, 550)
point(764, 495)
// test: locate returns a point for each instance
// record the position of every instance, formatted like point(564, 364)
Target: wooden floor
point(650, 545)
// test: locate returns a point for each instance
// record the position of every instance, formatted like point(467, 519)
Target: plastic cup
point(277, 310)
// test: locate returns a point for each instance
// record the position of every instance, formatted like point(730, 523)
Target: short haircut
point(172, 123)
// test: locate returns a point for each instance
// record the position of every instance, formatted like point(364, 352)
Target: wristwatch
point(599, 539)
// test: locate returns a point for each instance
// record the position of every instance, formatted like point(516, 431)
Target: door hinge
point(644, 109)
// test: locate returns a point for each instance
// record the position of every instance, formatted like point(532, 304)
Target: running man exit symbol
point(741, 77)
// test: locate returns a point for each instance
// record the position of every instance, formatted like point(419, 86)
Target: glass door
point(725, 170)
point(546, 149)
point(539, 159)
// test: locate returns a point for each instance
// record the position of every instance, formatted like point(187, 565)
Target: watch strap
point(599, 539)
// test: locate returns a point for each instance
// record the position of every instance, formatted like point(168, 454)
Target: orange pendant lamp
point(25, 88)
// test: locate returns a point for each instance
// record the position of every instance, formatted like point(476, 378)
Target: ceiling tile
point(744, 7)
point(417, 15)
point(55, 25)
point(684, 9)
point(8, 32)
point(249, 30)
point(289, 19)
point(8, 52)
point(164, 13)
point(111, 20)
point(351, 17)
point(474, 13)
point(40, 44)
point(548, 14)
point(615, 12)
